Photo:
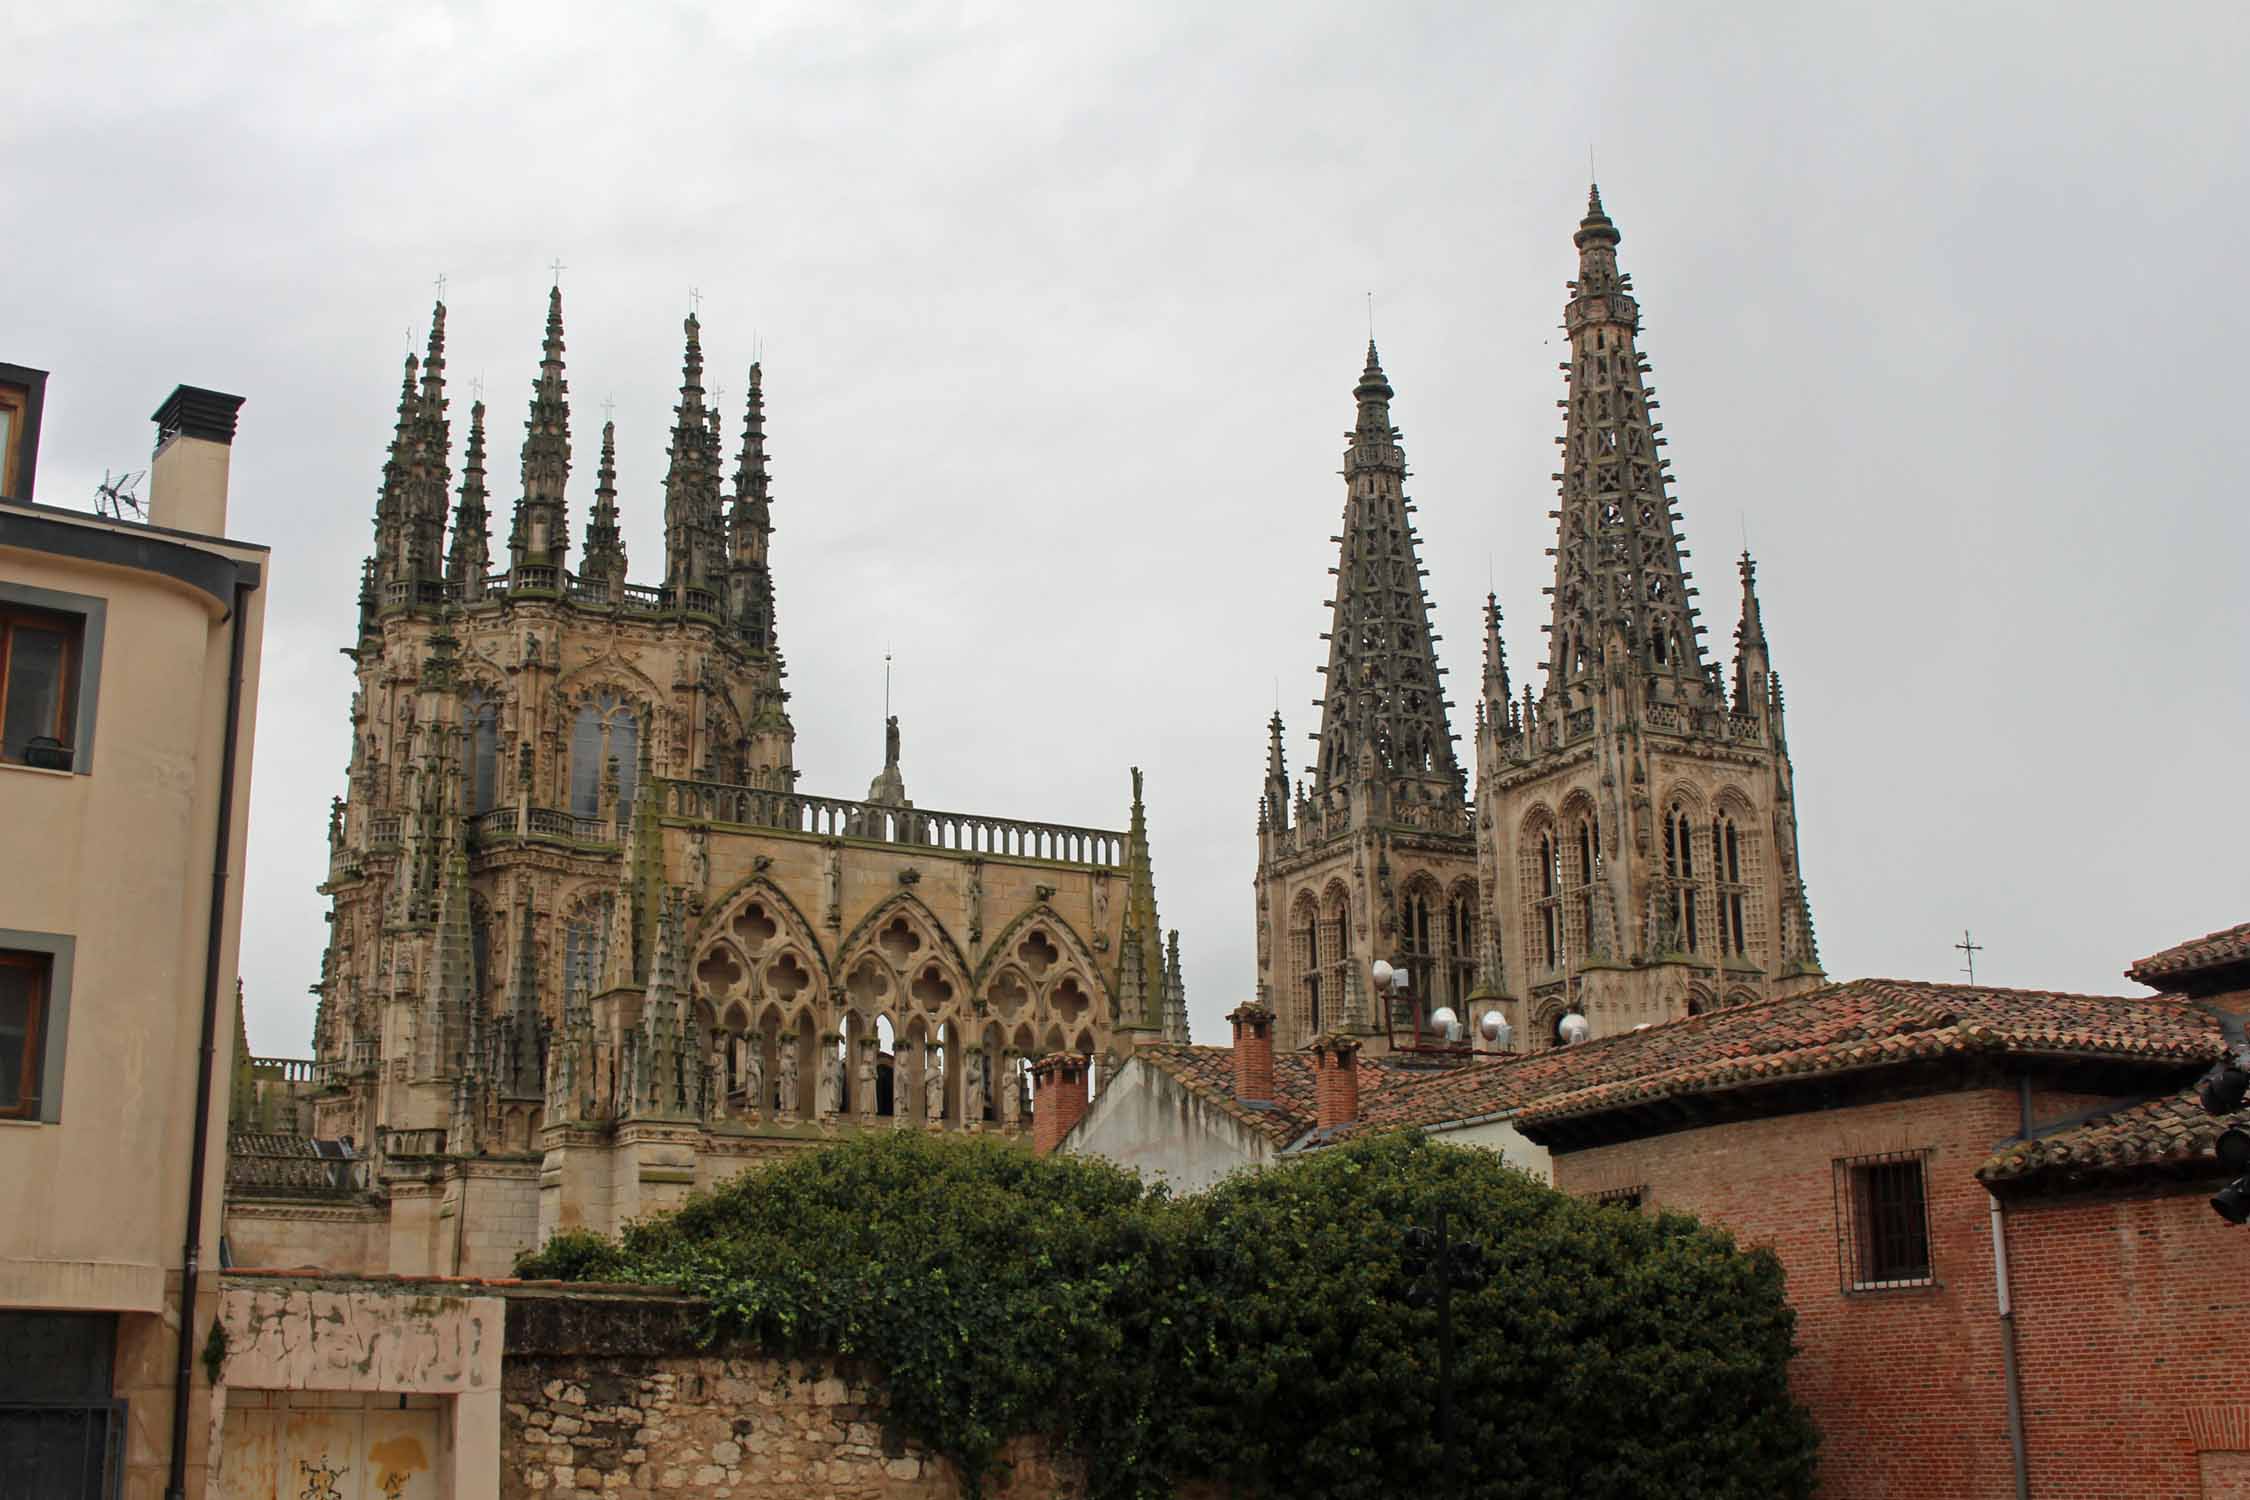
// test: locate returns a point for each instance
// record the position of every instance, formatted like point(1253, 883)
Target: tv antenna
point(114, 496)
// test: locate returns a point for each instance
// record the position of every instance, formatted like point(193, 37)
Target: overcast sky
point(1061, 308)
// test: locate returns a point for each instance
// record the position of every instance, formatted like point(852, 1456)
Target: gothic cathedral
point(1631, 855)
point(590, 946)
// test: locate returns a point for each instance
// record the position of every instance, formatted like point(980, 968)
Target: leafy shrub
point(1259, 1333)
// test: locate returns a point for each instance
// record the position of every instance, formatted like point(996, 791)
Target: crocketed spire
point(750, 601)
point(411, 509)
point(471, 554)
point(1752, 664)
point(541, 536)
point(604, 560)
point(691, 502)
point(1140, 951)
point(1383, 710)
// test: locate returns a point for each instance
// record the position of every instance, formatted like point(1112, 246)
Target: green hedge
point(1259, 1333)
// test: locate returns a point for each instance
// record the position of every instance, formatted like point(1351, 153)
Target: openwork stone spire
point(541, 537)
point(471, 554)
point(1383, 713)
point(604, 559)
point(1752, 665)
point(691, 502)
point(1620, 583)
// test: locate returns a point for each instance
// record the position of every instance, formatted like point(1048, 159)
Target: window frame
point(23, 391)
point(55, 952)
point(1863, 1244)
point(91, 615)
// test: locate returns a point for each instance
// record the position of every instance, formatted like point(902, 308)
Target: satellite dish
point(1575, 1029)
point(1446, 1023)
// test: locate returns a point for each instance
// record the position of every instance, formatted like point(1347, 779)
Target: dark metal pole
point(1445, 1346)
point(191, 1258)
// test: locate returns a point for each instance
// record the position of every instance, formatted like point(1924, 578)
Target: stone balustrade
point(836, 817)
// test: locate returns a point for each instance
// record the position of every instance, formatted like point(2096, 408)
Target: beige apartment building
point(129, 654)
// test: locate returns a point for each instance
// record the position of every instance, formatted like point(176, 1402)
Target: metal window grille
point(1630, 1199)
point(1883, 1222)
point(62, 1452)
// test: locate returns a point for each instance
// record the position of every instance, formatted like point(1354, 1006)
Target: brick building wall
point(2133, 1319)
point(2132, 1306)
point(1907, 1386)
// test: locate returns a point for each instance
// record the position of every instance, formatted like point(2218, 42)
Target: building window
point(1305, 946)
point(1418, 949)
point(1461, 939)
point(1883, 1222)
point(25, 980)
point(1727, 854)
point(15, 412)
point(1679, 865)
point(480, 716)
point(607, 729)
point(1628, 1198)
point(39, 652)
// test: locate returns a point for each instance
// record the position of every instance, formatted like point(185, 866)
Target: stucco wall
point(349, 1239)
point(1502, 1136)
point(1144, 1120)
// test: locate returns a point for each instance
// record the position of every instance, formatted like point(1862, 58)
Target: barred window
point(1628, 1198)
point(1883, 1222)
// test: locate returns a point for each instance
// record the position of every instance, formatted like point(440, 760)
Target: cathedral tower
point(590, 944)
point(1374, 859)
point(1638, 826)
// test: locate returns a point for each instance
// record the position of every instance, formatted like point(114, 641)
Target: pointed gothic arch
point(917, 912)
point(997, 952)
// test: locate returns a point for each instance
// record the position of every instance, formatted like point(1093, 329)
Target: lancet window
point(1680, 867)
point(1336, 949)
point(1735, 863)
point(1418, 945)
point(1304, 943)
point(607, 728)
point(1461, 945)
point(480, 721)
point(1542, 894)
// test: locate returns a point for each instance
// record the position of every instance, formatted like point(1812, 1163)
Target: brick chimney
point(1253, 1052)
point(1058, 1099)
point(187, 479)
point(1337, 1060)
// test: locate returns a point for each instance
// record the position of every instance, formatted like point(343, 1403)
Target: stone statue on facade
point(752, 1072)
point(933, 1085)
point(972, 1086)
point(785, 1067)
point(831, 1080)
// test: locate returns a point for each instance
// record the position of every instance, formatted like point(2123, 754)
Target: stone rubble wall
point(607, 1397)
point(746, 1428)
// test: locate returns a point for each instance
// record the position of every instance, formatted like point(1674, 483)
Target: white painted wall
point(1144, 1120)
point(1501, 1136)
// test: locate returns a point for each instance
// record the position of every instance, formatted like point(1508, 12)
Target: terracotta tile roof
point(2170, 1130)
point(1871, 1023)
point(1867, 1023)
point(2229, 945)
point(1208, 1072)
